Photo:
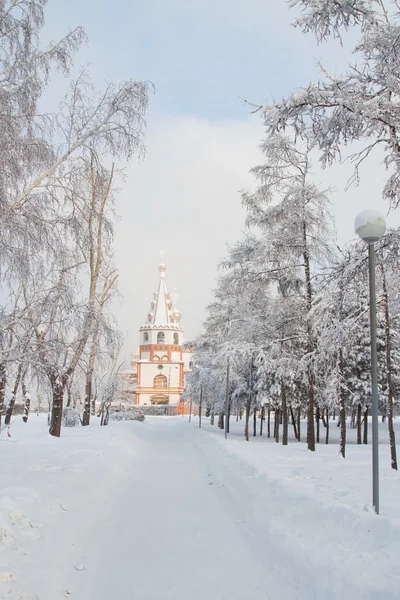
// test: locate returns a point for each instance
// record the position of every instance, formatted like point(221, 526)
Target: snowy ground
point(162, 510)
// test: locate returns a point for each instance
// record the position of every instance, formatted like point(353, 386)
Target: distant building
point(159, 366)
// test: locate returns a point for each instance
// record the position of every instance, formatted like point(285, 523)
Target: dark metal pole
point(201, 401)
point(374, 379)
point(227, 400)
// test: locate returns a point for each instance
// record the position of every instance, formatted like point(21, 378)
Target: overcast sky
point(204, 57)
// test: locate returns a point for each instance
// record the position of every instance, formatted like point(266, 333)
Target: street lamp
point(370, 226)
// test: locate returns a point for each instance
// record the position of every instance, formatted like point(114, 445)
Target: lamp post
point(370, 226)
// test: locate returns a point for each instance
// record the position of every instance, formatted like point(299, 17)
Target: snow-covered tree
point(293, 215)
point(359, 105)
point(50, 216)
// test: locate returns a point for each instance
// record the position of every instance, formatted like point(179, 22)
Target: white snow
point(161, 510)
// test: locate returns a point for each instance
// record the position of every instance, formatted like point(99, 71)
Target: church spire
point(162, 312)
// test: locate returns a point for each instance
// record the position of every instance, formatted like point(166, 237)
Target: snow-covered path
point(178, 532)
point(162, 510)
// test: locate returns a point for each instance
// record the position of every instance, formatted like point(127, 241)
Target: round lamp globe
point(370, 225)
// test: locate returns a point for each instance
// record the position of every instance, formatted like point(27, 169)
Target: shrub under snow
point(126, 416)
point(70, 417)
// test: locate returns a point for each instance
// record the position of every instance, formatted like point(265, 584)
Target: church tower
point(162, 362)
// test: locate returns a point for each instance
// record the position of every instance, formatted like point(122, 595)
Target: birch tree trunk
point(10, 407)
point(27, 403)
point(3, 383)
point(340, 367)
point(57, 389)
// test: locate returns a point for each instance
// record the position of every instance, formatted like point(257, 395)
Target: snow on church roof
point(163, 312)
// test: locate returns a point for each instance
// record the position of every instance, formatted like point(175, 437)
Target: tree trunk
point(69, 396)
point(359, 415)
point(262, 419)
point(255, 422)
point(221, 420)
point(88, 400)
point(212, 417)
point(310, 417)
point(269, 422)
point(365, 433)
point(248, 402)
point(3, 382)
point(317, 421)
point(11, 404)
point(310, 344)
point(57, 388)
point(285, 420)
point(296, 435)
point(277, 423)
point(327, 427)
point(88, 408)
point(342, 405)
point(27, 404)
point(247, 419)
point(299, 424)
point(388, 344)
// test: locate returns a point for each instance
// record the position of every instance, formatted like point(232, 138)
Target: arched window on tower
point(160, 382)
point(145, 337)
point(176, 339)
point(160, 337)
